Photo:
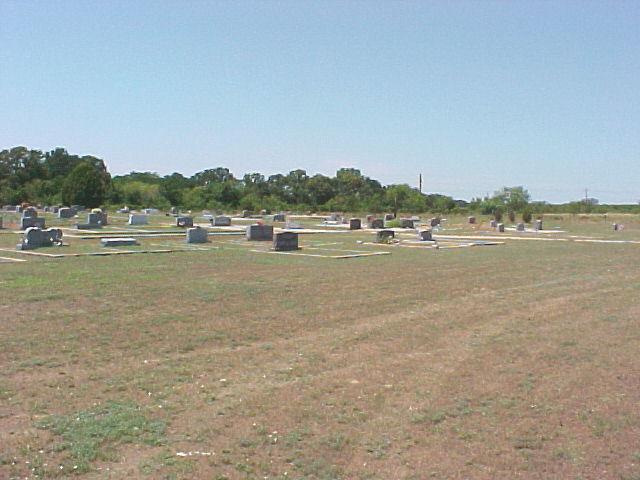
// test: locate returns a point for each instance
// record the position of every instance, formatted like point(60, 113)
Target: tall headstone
point(376, 223)
point(138, 219)
point(30, 222)
point(221, 221)
point(425, 236)
point(520, 227)
point(384, 236)
point(406, 223)
point(184, 222)
point(260, 232)
point(500, 227)
point(538, 224)
point(285, 241)
point(197, 235)
point(355, 224)
point(493, 223)
point(65, 212)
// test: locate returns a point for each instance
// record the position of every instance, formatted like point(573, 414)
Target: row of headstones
point(282, 241)
point(383, 236)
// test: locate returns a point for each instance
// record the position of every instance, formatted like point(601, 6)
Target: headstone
point(118, 242)
point(94, 220)
point(376, 223)
point(104, 218)
point(138, 219)
point(493, 224)
point(263, 212)
point(65, 212)
point(384, 236)
point(406, 223)
point(425, 236)
point(335, 217)
point(246, 213)
point(9, 208)
point(538, 225)
point(500, 227)
point(35, 237)
point(184, 222)
point(173, 211)
point(259, 232)
point(19, 208)
point(197, 235)
point(1, 223)
point(30, 222)
point(30, 212)
point(221, 221)
point(55, 209)
point(124, 209)
point(520, 227)
point(355, 224)
point(285, 241)
point(389, 216)
point(279, 217)
point(471, 220)
point(616, 227)
point(434, 222)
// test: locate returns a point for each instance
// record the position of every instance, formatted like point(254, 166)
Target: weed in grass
point(93, 434)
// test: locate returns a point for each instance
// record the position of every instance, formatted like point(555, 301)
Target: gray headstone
point(30, 212)
point(246, 213)
point(520, 227)
point(471, 220)
point(35, 237)
point(493, 224)
point(500, 227)
point(376, 223)
point(389, 216)
point(138, 219)
point(285, 241)
point(197, 235)
point(260, 232)
point(384, 236)
point(279, 217)
point(434, 222)
point(29, 222)
point(184, 222)
point(173, 211)
point(221, 221)
point(425, 236)
point(406, 223)
point(118, 242)
point(65, 212)
point(616, 227)
point(538, 225)
point(355, 224)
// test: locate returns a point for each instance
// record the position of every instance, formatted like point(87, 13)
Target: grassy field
point(512, 361)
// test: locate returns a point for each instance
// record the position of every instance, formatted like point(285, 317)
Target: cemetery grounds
point(226, 361)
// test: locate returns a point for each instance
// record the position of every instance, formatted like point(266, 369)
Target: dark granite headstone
point(285, 241)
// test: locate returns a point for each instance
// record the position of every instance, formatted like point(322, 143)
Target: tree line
point(58, 177)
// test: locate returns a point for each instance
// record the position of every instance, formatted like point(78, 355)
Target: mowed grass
point(513, 361)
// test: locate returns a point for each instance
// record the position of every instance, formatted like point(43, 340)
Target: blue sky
point(473, 95)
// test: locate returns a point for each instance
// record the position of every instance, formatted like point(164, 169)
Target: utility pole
point(420, 183)
point(586, 196)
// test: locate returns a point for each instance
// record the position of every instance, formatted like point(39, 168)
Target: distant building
point(590, 201)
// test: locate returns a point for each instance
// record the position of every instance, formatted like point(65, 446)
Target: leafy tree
point(85, 185)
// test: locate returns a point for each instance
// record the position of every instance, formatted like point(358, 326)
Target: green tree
point(85, 185)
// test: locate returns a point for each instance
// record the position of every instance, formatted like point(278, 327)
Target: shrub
point(526, 216)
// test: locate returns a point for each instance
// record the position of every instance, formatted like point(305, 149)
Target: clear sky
point(474, 95)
